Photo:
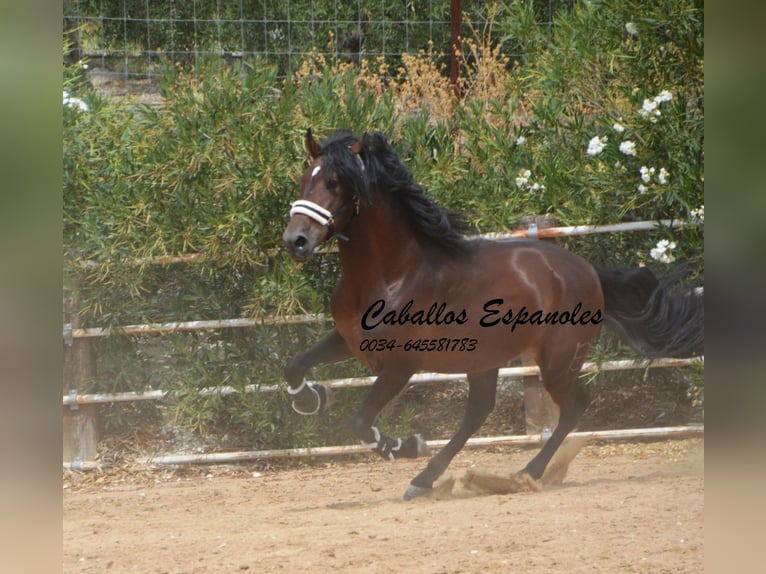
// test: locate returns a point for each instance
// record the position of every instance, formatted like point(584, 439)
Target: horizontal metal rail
point(528, 440)
point(181, 326)
point(567, 231)
point(352, 382)
point(531, 233)
point(476, 442)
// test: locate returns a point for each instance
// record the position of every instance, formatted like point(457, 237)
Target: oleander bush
point(601, 121)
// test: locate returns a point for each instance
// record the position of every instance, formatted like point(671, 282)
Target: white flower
point(662, 177)
point(641, 189)
point(618, 127)
point(649, 105)
point(698, 215)
point(628, 148)
point(650, 109)
point(596, 145)
point(645, 177)
point(521, 140)
point(631, 28)
point(661, 252)
point(74, 102)
point(524, 181)
point(663, 96)
point(523, 178)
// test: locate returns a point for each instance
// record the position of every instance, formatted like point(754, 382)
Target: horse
point(416, 294)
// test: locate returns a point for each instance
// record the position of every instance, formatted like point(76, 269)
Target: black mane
point(385, 172)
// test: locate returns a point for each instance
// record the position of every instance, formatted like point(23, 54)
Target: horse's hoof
point(416, 492)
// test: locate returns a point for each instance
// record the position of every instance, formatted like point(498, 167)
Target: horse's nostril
point(299, 242)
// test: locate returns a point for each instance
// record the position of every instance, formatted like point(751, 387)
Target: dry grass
point(420, 84)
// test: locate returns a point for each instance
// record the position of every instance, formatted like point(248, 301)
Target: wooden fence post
point(540, 412)
point(80, 431)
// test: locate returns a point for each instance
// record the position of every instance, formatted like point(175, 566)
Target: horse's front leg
point(387, 385)
point(310, 398)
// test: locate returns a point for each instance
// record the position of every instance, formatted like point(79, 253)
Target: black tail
point(653, 317)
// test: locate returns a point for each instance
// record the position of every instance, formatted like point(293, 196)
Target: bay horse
point(415, 294)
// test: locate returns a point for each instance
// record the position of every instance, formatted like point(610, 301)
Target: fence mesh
point(134, 38)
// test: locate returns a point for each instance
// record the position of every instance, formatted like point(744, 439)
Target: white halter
point(312, 210)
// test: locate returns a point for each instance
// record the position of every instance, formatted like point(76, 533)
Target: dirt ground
point(623, 508)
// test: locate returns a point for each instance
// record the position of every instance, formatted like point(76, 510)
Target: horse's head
point(329, 195)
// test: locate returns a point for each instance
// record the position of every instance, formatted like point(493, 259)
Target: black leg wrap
point(388, 447)
point(309, 398)
point(414, 447)
point(392, 448)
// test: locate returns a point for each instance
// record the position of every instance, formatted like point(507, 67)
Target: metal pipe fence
point(532, 440)
point(475, 442)
point(73, 399)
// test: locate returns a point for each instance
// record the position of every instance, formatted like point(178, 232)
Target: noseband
point(322, 216)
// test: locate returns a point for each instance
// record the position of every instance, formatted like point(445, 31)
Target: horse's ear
point(357, 147)
point(312, 146)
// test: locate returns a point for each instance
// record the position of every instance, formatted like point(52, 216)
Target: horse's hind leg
point(481, 400)
point(569, 393)
point(310, 398)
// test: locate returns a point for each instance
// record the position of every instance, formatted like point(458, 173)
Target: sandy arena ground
point(623, 508)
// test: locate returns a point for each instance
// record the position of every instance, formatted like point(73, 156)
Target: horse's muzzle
point(300, 247)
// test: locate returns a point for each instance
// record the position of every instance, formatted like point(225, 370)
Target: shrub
point(602, 122)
